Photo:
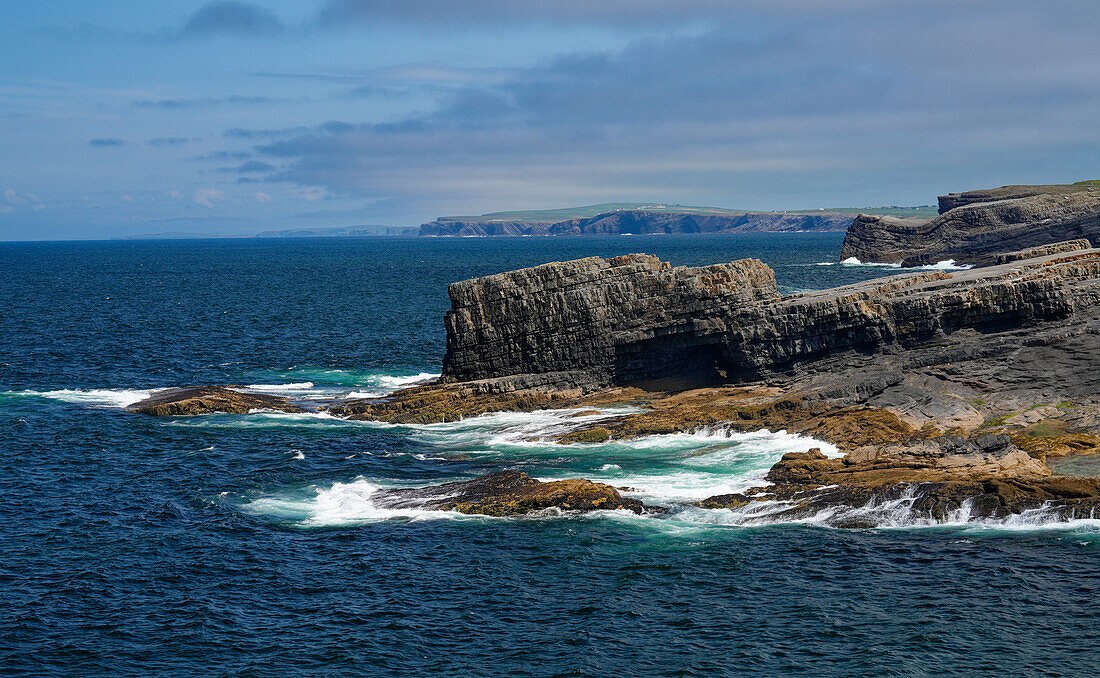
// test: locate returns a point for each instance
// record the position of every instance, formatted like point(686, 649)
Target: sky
point(123, 118)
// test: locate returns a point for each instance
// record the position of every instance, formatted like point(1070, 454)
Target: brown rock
point(207, 399)
point(507, 493)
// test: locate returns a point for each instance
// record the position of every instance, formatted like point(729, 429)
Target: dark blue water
point(247, 545)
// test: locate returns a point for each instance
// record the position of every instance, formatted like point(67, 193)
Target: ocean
point(248, 545)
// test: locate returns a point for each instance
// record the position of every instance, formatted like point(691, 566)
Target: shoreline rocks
point(509, 493)
point(197, 400)
point(974, 230)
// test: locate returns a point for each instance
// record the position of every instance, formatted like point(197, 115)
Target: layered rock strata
point(635, 321)
point(643, 222)
point(977, 232)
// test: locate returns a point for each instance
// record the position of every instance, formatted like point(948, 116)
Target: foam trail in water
point(945, 265)
point(96, 397)
point(281, 388)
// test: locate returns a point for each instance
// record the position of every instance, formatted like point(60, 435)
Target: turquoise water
point(249, 545)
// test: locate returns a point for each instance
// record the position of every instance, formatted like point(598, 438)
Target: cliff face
point(644, 222)
point(648, 222)
point(462, 227)
point(976, 233)
point(635, 321)
point(592, 321)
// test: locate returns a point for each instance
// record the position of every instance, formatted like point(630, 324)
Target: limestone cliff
point(976, 232)
point(634, 320)
point(643, 222)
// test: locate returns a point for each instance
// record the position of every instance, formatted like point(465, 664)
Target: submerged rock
point(208, 399)
point(509, 493)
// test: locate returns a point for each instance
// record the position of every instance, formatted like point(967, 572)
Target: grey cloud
point(230, 17)
point(204, 102)
point(170, 141)
point(106, 142)
point(636, 12)
point(250, 167)
point(801, 110)
point(224, 155)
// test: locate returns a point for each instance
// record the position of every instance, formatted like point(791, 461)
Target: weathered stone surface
point(589, 318)
point(618, 222)
point(208, 399)
point(1044, 250)
point(645, 222)
point(976, 233)
point(483, 227)
point(507, 493)
point(634, 321)
point(952, 200)
point(985, 476)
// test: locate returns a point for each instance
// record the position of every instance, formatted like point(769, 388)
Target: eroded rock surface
point(208, 399)
point(507, 493)
point(941, 479)
point(642, 222)
point(634, 321)
point(977, 232)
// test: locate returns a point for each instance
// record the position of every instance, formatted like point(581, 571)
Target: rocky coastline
point(944, 391)
point(641, 222)
point(977, 226)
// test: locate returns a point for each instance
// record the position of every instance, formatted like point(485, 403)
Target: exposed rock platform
point(209, 399)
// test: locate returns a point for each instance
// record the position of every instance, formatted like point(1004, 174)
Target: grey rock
point(976, 233)
point(634, 320)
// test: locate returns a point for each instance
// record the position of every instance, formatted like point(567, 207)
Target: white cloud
point(208, 196)
point(260, 196)
point(127, 198)
point(312, 193)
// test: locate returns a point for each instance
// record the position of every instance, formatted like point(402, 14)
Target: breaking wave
point(336, 505)
point(945, 265)
point(112, 398)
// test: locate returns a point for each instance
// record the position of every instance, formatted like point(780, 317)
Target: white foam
point(96, 397)
point(271, 419)
point(340, 504)
point(396, 382)
point(363, 394)
point(281, 388)
point(854, 261)
point(945, 265)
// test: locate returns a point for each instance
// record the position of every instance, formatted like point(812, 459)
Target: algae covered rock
point(509, 493)
point(193, 400)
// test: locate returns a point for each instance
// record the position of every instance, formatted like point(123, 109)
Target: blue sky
point(128, 117)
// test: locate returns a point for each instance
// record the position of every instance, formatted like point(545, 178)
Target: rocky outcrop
point(635, 321)
point(509, 493)
point(644, 222)
point(594, 322)
point(483, 227)
point(976, 233)
point(174, 402)
point(939, 479)
point(952, 200)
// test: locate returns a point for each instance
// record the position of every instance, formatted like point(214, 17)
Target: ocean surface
point(248, 545)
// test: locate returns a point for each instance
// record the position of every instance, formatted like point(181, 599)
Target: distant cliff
point(644, 222)
point(980, 226)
